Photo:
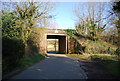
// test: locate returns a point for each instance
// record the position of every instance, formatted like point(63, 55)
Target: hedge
point(12, 52)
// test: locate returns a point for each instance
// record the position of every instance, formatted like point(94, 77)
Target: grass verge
point(26, 62)
point(85, 57)
point(110, 62)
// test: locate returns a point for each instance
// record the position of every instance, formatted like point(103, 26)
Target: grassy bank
point(96, 47)
point(110, 62)
point(26, 62)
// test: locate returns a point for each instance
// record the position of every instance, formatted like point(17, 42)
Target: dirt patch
point(94, 70)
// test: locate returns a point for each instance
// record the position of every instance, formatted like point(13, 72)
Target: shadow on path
point(95, 70)
point(55, 66)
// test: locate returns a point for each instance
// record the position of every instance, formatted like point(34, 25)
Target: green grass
point(105, 57)
point(110, 62)
point(81, 57)
point(26, 62)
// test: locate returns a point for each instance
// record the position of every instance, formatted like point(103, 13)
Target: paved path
point(56, 66)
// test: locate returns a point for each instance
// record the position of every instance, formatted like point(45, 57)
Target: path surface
point(56, 66)
point(95, 70)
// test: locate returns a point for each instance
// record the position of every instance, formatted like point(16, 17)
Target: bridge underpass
point(62, 42)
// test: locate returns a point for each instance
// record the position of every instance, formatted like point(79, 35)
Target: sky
point(63, 18)
point(64, 15)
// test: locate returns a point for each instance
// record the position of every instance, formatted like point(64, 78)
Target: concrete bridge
point(59, 34)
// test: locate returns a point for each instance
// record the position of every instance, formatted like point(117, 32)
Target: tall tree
point(116, 11)
point(30, 14)
point(90, 18)
point(27, 15)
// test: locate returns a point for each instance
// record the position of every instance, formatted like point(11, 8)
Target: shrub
point(12, 52)
point(93, 38)
point(70, 32)
point(117, 51)
point(110, 50)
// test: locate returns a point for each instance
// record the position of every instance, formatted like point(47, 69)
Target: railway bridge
point(59, 34)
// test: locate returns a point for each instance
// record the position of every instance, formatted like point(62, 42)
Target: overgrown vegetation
point(70, 32)
point(91, 29)
point(89, 46)
point(13, 51)
point(116, 22)
point(21, 34)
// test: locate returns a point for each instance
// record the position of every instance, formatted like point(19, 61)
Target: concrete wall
point(70, 45)
point(43, 44)
point(62, 44)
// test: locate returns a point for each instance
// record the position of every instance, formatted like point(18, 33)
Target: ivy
point(70, 32)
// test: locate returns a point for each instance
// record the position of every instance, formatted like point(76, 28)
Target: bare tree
point(116, 11)
point(90, 18)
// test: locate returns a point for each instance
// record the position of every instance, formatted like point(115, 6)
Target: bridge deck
point(56, 31)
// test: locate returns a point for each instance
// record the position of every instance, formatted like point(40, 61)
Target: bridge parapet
point(55, 31)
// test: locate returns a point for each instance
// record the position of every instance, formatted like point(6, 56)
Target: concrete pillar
point(70, 45)
point(43, 44)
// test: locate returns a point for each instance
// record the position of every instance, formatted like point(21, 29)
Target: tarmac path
point(56, 66)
